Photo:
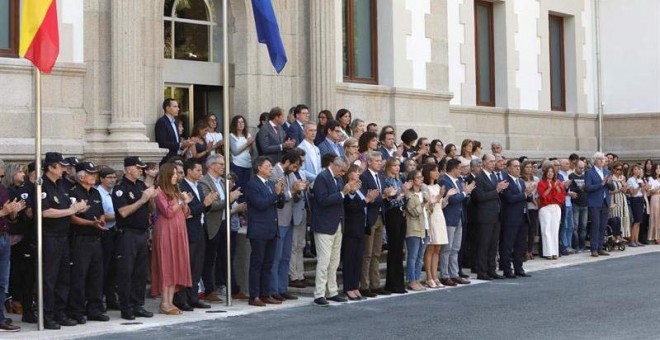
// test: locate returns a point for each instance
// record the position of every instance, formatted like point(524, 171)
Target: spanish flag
point(40, 39)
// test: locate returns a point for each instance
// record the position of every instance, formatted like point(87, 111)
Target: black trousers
point(109, 245)
point(396, 235)
point(56, 275)
point(513, 246)
point(86, 294)
point(132, 262)
point(352, 249)
point(196, 251)
point(23, 273)
point(487, 250)
point(261, 265)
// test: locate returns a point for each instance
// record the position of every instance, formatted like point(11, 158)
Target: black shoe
point(29, 317)
point(496, 276)
point(367, 293)
point(140, 312)
point(398, 291)
point(51, 324)
point(484, 277)
point(321, 302)
point(81, 320)
point(523, 274)
point(337, 298)
point(463, 276)
point(184, 307)
point(98, 317)
point(381, 291)
point(127, 315)
point(67, 321)
point(200, 305)
point(510, 276)
point(288, 296)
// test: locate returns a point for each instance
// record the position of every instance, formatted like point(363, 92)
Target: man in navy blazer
point(332, 137)
point(514, 223)
point(372, 179)
point(187, 299)
point(598, 183)
point(449, 269)
point(263, 198)
point(296, 130)
point(328, 206)
point(272, 139)
point(387, 148)
point(167, 133)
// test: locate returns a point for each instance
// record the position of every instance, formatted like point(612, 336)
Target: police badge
point(130, 194)
point(57, 200)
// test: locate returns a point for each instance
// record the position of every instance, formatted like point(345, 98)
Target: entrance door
point(195, 103)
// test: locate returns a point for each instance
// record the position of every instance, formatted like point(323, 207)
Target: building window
point(9, 16)
point(484, 52)
point(188, 30)
point(360, 50)
point(557, 66)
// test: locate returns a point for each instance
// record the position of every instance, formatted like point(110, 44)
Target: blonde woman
point(417, 211)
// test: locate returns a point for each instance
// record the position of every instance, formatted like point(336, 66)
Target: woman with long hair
point(418, 210)
point(636, 190)
point(214, 136)
point(619, 206)
point(551, 195)
point(343, 116)
point(395, 198)
point(437, 224)
point(648, 168)
point(466, 149)
point(355, 225)
point(240, 145)
point(171, 262)
point(437, 149)
point(476, 149)
point(653, 193)
point(527, 175)
point(368, 142)
point(150, 174)
point(201, 148)
point(450, 150)
point(323, 118)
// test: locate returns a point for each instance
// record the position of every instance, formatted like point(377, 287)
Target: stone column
point(322, 48)
point(127, 123)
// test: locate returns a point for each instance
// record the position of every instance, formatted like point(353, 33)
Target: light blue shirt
point(108, 208)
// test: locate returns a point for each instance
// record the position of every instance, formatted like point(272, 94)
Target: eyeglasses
point(618, 169)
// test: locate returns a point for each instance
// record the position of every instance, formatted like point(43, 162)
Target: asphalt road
point(614, 299)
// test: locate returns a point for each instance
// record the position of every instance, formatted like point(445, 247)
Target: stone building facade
point(120, 58)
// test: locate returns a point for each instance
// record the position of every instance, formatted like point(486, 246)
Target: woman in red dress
point(170, 264)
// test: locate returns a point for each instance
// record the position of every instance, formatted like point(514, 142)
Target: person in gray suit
point(216, 225)
point(300, 206)
point(272, 139)
point(283, 171)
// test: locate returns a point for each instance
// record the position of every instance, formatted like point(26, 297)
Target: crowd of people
point(338, 189)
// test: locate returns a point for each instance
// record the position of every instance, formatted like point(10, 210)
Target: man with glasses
point(295, 131)
point(598, 183)
point(331, 144)
point(108, 178)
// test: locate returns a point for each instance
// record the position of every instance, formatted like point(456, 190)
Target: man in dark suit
point(449, 270)
point(263, 197)
point(486, 197)
point(372, 179)
point(328, 206)
point(167, 134)
point(296, 129)
point(187, 299)
point(467, 256)
point(514, 223)
point(272, 138)
point(333, 134)
point(387, 148)
point(598, 183)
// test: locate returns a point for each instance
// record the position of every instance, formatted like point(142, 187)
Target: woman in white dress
point(240, 146)
point(437, 224)
point(654, 205)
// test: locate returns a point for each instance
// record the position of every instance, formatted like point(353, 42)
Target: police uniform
point(132, 252)
point(56, 265)
point(86, 296)
point(66, 182)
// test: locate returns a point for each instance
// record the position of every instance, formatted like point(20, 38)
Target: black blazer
point(296, 132)
point(356, 219)
point(193, 224)
point(328, 203)
point(486, 200)
point(514, 202)
point(373, 208)
point(166, 137)
point(262, 205)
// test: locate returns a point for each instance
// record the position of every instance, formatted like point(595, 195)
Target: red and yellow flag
point(40, 39)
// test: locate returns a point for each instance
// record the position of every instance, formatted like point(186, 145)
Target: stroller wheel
point(609, 247)
point(622, 246)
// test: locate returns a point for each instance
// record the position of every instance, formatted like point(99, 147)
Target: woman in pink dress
point(170, 265)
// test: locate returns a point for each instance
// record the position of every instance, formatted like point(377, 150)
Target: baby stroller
point(613, 230)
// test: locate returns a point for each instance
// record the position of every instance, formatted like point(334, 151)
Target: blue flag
point(269, 33)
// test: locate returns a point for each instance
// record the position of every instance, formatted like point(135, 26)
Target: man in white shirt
point(312, 164)
point(108, 179)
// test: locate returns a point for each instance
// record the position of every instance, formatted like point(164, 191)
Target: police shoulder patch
point(43, 195)
point(24, 195)
point(119, 193)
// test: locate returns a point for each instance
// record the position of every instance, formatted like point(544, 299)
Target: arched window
point(189, 29)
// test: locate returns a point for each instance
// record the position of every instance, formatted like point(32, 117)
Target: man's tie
point(380, 190)
point(493, 178)
point(499, 176)
point(269, 185)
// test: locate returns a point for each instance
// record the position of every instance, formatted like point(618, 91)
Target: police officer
point(130, 199)
point(56, 212)
point(69, 176)
point(108, 178)
point(86, 296)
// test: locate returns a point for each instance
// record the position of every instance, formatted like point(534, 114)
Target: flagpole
point(225, 116)
point(39, 182)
